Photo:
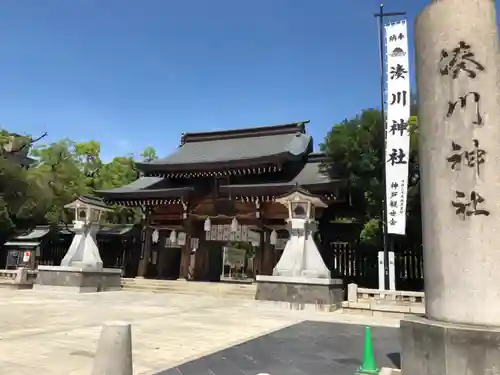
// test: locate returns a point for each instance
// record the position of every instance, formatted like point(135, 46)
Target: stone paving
point(56, 333)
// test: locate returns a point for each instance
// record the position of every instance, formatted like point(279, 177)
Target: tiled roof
point(149, 187)
point(244, 147)
point(139, 184)
point(310, 177)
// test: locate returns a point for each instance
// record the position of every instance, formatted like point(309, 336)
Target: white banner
point(398, 136)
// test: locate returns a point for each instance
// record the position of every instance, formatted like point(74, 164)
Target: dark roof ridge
point(317, 157)
point(261, 131)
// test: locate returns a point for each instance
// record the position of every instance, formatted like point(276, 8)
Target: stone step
point(188, 292)
point(188, 284)
point(191, 288)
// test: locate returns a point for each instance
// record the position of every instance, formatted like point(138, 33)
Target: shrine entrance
point(221, 254)
point(214, 179)
point(166, 253)
point(216, 251)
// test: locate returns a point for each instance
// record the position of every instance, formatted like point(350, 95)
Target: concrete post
point(352, 292)
point(114, 351)
point(21, 275)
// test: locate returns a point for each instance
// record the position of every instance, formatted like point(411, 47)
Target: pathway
point(54, 333)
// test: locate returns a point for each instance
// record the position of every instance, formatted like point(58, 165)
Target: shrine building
point(219, 187)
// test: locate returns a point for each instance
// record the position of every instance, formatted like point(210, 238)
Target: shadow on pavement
point(307, 348)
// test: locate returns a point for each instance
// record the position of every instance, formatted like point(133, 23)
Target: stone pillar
point(459, 112)
point(459, 117)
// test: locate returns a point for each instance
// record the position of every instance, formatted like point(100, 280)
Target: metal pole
point(386, 239)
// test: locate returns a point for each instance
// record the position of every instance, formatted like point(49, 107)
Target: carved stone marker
point(458, 75)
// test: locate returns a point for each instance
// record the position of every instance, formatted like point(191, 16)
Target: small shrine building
point(219, 187)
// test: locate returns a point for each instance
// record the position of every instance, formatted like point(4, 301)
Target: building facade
point(219, 187)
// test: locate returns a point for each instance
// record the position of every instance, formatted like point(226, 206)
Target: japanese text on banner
point(398, 134)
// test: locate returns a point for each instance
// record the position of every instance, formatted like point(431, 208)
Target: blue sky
point(132, 74)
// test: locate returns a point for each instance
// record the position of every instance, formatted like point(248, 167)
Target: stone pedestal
point(324, 293)
point(79, 280)
point(458, 77)
point(433, 347)
point(81, 269)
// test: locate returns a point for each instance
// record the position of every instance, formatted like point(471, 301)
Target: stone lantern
point(82, 267)
point(301, 275)
point(83, 251)
point(301, 256)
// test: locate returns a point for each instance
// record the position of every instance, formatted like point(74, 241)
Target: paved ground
point(51, 333)
point(307, 348)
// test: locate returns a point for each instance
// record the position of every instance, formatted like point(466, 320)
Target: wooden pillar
point(144, 259)
point(259, 252)
point(201, 256)
point(265, 254)
point(257, 263)
point(268, 258)
point(186, 249)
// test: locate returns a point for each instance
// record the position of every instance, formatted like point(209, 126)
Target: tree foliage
point(60, 172)
point(355, 150)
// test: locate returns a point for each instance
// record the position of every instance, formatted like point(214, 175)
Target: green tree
point(355, 149)
point(87, 156)
point(119, 172)
point(149, 154)
point(72, 169)
point(60, 170)
point(19, 193)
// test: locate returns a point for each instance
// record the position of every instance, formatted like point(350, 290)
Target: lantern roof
point(299, 194)
point(83, 202)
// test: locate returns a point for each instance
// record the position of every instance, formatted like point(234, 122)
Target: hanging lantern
point(155, 236)
point(234, 225)
point(173, 237)
point(273, 238)
point(208, 225)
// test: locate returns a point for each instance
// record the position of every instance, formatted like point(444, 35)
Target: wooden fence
point(359, 264)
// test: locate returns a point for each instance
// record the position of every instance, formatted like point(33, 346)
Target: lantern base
point(326, 294)
point(76, 279)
